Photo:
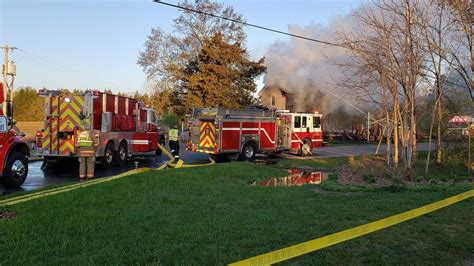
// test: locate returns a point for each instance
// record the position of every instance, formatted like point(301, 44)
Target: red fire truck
point(123, 127)
point(246, 132)
point(14, 151)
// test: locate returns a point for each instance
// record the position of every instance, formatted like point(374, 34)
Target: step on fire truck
point(14, 151)
point(122, 127)
point(246, 132)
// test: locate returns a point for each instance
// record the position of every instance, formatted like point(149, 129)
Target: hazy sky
point(94, 44)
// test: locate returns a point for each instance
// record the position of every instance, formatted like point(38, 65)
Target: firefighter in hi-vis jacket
point(86, 150)
point(173, 141)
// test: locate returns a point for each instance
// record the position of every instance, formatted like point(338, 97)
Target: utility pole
point(9, 69)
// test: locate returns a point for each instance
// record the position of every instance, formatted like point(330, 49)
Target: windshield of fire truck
point(3, 124)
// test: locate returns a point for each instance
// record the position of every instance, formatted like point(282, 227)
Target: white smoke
point(305, 68)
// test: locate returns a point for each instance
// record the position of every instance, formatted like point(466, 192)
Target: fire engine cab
point(123, 127)
point(246, 132)
point(14, 151)
point(299, 132)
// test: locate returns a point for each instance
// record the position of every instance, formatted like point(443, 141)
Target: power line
point(65, 69)
point(247, 24)
point(267, 29)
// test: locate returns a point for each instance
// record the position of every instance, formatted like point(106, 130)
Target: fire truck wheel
point(306, 148)
point(109, 155)
point(122, 153)
point(248, 152)
point(16, 170)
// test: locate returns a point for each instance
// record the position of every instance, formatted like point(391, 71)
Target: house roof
point(283, 91)
point(462, 119)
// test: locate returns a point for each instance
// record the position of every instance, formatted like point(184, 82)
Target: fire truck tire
point(306, 148)
point(122, 153)
point(16, 170)
point(109, 155)
point(248, 151)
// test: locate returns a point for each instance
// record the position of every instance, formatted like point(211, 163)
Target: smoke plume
point(307, 69)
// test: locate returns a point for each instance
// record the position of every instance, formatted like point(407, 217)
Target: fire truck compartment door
point(106, 122)
point(284, 132)
point(207, 136)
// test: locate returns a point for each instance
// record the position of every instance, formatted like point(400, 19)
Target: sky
point(94, 44)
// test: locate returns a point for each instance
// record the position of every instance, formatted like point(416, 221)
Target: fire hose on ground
point(49, 192)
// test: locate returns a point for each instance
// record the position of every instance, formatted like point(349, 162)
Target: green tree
point(220, 76)
point(167, 56)
point(27, 105)
point(170, 119)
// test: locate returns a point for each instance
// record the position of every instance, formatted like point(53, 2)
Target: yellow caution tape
point(329, 240)
point(54, 191)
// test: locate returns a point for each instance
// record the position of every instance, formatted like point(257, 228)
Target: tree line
point(401, 49)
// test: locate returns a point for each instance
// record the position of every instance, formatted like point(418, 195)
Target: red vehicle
point(14, 151)
point(123, 127)
point(300, 132)
point(246, 132)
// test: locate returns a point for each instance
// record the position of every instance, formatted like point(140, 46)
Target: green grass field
point(210, 215)
point(30, 128)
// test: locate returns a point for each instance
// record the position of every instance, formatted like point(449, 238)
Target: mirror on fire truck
point(3, 124)
point(151, 117)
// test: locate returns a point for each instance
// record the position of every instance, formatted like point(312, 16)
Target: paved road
point(350, 150)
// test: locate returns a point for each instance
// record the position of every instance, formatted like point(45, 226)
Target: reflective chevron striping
point(54, 124)
point(71, 118)
point(69, 113)
point(207, 142)
point(79, 101)
point(207, 135)
point(76, 104)
point(67, 146)
point(45, 142)
point(46, 138)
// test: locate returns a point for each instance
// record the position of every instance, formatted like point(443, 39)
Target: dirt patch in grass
point(7, 214)
point(369, 170)
point(366, 170)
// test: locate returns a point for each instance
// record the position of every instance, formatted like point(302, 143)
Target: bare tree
point(437, 23)
point(390, 46)
point(464, 21)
